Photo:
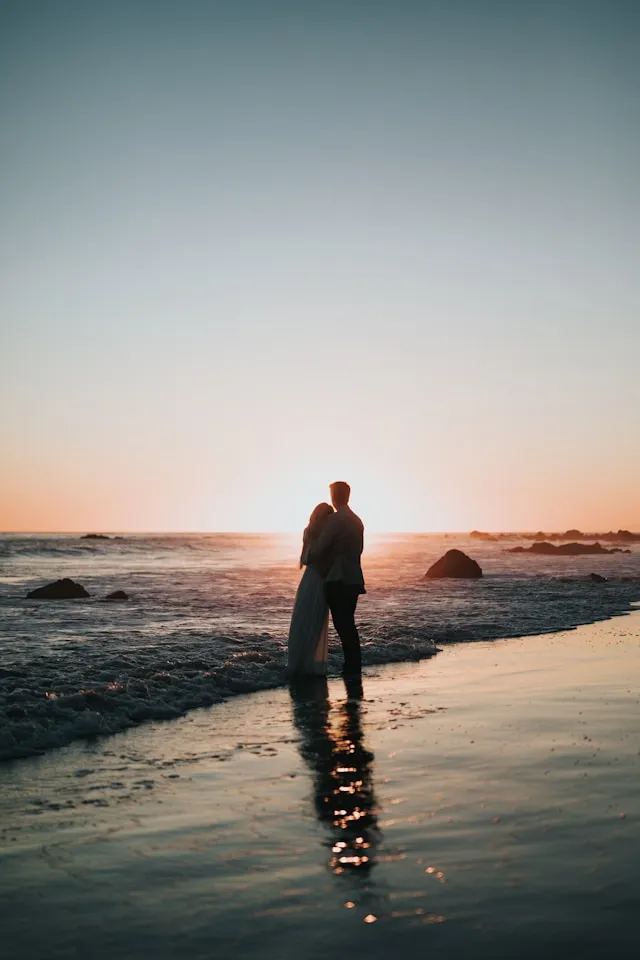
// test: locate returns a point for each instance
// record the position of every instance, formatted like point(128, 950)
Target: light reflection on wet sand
point(341, 767)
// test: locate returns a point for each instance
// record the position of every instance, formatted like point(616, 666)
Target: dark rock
point(95, 536)
point(564, 549)
point(621, 536)
point(58, 590)
point(597, 578)
point(117, 595)
point(454, 563)
point(577, 549)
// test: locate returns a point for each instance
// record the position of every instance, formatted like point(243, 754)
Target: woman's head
point(318, 515)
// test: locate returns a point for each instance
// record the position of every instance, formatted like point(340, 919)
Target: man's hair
point(340, 492)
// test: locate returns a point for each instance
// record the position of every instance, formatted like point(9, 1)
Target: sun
point(284, 497)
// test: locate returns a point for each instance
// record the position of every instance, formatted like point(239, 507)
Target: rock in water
point(454, 563)
point(565, 549)
point(597, 578)
point(58, 590)
point(117, 595)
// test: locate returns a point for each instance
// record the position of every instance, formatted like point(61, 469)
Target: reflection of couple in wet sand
point(332, 746)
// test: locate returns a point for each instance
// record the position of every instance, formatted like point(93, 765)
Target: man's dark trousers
point(343, 599)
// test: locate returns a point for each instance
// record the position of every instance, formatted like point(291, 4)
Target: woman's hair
point(318, 517)
point(317, 521)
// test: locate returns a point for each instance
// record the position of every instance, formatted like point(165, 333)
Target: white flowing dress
point(309, 630)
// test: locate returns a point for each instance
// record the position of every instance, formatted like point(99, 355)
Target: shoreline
point(93, 714)
point(488, 808)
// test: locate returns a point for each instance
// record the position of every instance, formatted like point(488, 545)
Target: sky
point(251, 247)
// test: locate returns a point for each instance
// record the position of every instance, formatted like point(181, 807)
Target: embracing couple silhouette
point(331, 583)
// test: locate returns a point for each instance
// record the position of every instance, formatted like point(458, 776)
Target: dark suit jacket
point(337, 551)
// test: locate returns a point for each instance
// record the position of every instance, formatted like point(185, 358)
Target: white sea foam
point(208, 620)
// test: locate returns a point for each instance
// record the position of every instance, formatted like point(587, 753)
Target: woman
point(309, 630)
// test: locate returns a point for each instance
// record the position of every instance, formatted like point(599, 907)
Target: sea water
point(207, 618)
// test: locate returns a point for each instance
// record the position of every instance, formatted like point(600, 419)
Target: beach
point(480, 803)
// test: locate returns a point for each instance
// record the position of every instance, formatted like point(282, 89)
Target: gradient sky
point(252, 247)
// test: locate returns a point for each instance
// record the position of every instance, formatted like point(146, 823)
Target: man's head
point(340, 493)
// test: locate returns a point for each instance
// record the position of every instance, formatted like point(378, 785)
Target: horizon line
point(116, 532)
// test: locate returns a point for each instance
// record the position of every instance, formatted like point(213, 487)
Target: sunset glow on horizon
point(245, 256)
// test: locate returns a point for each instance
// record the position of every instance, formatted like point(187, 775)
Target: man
point(338, 549)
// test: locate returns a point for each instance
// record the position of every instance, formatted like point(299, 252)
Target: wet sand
point(484, 803)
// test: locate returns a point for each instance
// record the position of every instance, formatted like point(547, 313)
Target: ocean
point(208, 615)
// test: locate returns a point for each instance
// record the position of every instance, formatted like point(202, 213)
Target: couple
point(332, 582)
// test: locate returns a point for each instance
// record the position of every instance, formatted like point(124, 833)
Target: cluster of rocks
point(493, 537)
point(613, 536)
point(67, 589)
point(546, 548)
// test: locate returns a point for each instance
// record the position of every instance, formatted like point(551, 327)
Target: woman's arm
point(304, 554)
